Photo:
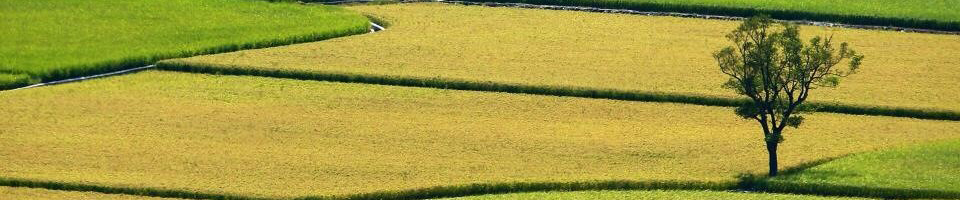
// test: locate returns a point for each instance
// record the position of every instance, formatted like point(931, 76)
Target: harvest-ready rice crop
point(926, 166)
point(655, 194)
point(600, 51)
point(931, 14)
point(44, 40)
point(280, 137)
point(42, 194)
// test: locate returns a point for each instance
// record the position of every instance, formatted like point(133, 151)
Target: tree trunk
point(772, 151)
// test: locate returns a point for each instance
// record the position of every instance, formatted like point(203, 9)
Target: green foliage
point(746, 111)
point(795, 121)
point(52, 39)
point(931, 14)
point(776, 71)
point(10, 81)
point(773, 68)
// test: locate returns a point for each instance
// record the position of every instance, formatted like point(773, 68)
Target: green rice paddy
point(45, 40)
point(927, 166)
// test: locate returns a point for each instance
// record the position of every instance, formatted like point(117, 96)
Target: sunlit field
point(45, 40)
point(926, 166)
point(43, 194)
point(283, 138)
point(934, 14)
point(599, 51)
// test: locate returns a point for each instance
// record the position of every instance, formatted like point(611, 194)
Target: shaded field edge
point(519, 187)
point(420, 193)
point(133, 62)
point(745, 183)
point(138, 191)
point(444, 83)
point(938, 25)
point(826, 189)
point(759, 185)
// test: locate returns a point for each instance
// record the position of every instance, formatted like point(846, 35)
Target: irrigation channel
point(750, 184)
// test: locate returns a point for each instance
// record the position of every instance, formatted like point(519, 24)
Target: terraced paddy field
point(43, 194)
point(592, 51)
point(46, 40)
point(935, 14)
point(656, 194)
point(266, 137)
point(926, 166)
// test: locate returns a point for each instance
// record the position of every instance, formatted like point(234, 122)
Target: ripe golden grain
point(603, 51)
point(283, 138)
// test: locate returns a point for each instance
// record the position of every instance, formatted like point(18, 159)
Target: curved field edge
point(83, 187)
point(755, 185)
point(646, 194)
point(128, 63)
point(940, 25)
point(570, 91)
point(22, 73)
point(40, 193)
point(923, 166)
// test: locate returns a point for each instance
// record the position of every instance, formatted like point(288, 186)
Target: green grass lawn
point(934, 14)
point(256, 136)
point(928, 166)
point(648, 195)
point(44, 40)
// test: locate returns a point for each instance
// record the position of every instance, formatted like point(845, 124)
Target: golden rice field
point(43, 194)
point(283, 138)
point(604, 51)
point(645, 195)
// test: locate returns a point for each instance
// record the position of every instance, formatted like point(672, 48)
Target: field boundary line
point(374, 27)
point(701, 16)
point(141, 191)
point(85, 77)
point(744, 183)
point(645, 13)
point(568, 91)
point(475, 189)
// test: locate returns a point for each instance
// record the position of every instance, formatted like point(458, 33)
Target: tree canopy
point(776, 70)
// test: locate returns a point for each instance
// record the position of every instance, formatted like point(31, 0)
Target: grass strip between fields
point(501, 188)
point(447, 83)
point(727, 10)
point(757, 184)
point(151, 192)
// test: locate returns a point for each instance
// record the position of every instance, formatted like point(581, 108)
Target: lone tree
point(776, 70)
